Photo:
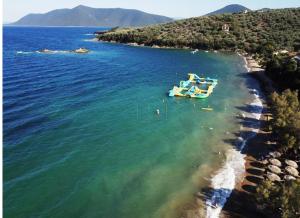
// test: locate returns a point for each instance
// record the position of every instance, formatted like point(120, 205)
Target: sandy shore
point(241, 202)
point(231, 191)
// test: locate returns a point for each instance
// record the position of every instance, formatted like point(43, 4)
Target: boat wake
point(54, 52)
point(223, 182)
point(45, 52)
point(90, 40)
point(24, 52)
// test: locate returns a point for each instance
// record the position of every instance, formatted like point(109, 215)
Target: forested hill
point(247, 31)
point(87, 16)
point(234, 8)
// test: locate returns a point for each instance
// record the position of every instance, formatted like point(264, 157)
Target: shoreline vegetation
point(269, 42)
point(249, 32)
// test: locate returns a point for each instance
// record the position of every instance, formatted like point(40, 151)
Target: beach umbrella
point(275, 154)
point(288, 177)
point(274, 169)
point(292, 171)
point(273, 177)
point(291, 163)
point(275, 162)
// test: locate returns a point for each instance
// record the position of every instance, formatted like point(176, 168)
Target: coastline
point(232, 173)
point(241, 202)
point(134, 44)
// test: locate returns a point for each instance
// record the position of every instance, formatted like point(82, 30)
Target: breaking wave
point(223, 182)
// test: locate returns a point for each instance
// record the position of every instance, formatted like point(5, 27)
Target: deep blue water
point(81, 137)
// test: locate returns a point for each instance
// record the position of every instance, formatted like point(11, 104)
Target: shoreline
point(241, 202)
point(232, 173)
point(134, 44)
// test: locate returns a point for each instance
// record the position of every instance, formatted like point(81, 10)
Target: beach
point(241, 202)
point(220, 196)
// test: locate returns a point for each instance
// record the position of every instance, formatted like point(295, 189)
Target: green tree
point(286, 116)
point(290, 199)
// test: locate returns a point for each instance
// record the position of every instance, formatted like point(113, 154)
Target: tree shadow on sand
point(249, 108)
point(241, 205)
point(248, 122)
point(256, 172)
point(254, 179)
point(242, 201)
point(257, 164)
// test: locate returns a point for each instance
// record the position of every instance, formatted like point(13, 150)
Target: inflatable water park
point(194, 87)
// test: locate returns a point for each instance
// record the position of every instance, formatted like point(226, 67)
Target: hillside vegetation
point(249, 32)
point(233, 8)
point(87, 16)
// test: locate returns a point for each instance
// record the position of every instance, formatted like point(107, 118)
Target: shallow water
point(81, 133)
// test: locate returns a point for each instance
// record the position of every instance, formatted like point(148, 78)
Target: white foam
point(54, 52)
point(258, 104)
point(223, 182)
point(91, 40)
point(61, 51)
point(23, 52)
point(246, 64)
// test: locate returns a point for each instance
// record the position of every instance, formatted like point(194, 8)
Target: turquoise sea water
point(81, 136)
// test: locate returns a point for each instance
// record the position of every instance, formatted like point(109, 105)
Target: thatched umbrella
point(274, 169)
point(291, 163)
point(275, 154)
point(288, 177)
point(273, 177)
point(292, 171)
point(275, 162)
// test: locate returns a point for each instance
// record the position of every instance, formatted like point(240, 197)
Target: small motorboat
point(193, 52)
point(81, 50)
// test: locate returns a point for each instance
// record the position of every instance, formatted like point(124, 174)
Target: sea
point(82, 136)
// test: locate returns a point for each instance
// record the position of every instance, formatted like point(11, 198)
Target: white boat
point(193, 52)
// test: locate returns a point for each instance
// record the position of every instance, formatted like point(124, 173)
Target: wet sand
point(241, 202)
